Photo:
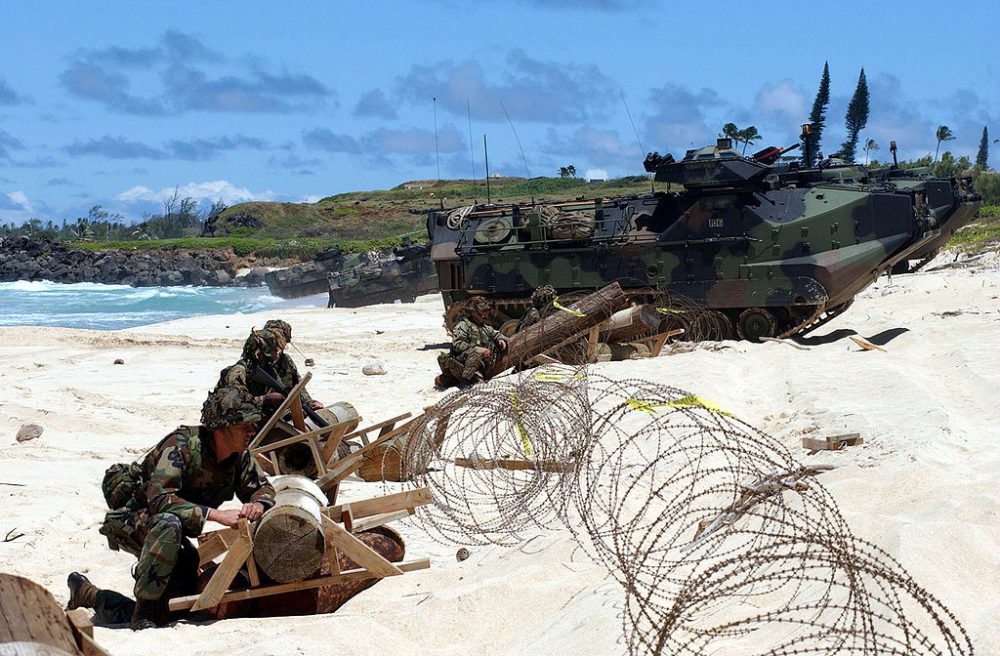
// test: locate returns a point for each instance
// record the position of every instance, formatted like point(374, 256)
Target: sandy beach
point(923, 486)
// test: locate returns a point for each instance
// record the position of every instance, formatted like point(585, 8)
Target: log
point(31, 622)
point(630, 324)
point(288, 544)
point(324, 598)
point(560, 328)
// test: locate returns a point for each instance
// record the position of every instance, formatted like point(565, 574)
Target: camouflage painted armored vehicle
point(403, 275)
point(759, 247)
point(311, 277)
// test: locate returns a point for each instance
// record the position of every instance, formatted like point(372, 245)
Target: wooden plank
point(294, 439)
point(592, 340)
point(542, 359)
point(265, 464)
point(512, 464)
point(346, 466)
point(227, 535)
point(834, 443)
point(83, 631)
point(298, 416)
point(225, 573)
point(211, 549)
point(657, 345)
point(387, 504)
point(346, 518)
point(360, 525)
point(357, 550)
point(333, 556)
point(252, 572)
point(367, 429)
point(280, 412)
point(333, 441)
point(79, 619)
point(317, 457)
point(184, 603)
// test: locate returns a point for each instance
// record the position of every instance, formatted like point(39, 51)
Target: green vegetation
point(981, 235)
point(299, 248)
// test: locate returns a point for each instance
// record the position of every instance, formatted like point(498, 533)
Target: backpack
point(121, 482)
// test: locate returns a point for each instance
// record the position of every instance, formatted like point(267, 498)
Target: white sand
point(923, 486)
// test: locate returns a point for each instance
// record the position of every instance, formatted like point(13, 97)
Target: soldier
point(474, 344)
point(157, 503)
point(541, 306)
point(265, 348)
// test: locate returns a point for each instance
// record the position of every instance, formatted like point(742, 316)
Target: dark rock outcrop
point(23, 258)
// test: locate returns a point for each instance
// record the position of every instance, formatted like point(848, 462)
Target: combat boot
point(82, 592)
point(473, 365)
point(146, 615)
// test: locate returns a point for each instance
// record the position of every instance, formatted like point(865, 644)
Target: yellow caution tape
point(575, 313)
point(523, 434)
point(669, 310)
point(690, 401)
point(544, 377)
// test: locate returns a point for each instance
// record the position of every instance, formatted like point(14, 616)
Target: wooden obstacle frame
point(339, 524)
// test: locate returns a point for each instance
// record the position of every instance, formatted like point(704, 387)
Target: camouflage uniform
point(464, 361)
point(259, 350)
point(541, 307)
point(175, 485)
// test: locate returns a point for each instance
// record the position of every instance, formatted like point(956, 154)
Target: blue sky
point(119, 103)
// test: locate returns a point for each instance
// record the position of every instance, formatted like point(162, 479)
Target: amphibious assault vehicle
point(757, 246)
point(358, 279)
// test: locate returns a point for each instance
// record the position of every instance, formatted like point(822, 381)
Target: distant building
point(496, 175)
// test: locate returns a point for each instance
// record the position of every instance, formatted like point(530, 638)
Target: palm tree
point(870, 146)
point(943, 133)
point(748, 136)
point(730, 130)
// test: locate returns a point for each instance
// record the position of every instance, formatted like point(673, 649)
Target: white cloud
point(19, 198)
point(311, 198)
point(595, 174)
point(783, 100)
point(210, 190)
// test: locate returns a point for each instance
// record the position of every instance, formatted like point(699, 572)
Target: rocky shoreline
point(23, 258)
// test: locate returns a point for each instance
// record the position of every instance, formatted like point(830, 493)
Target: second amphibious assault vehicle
point(761, 247)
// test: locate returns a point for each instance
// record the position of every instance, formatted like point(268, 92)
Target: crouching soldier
point(165, 498)
point(542, 305)
point(474, 345)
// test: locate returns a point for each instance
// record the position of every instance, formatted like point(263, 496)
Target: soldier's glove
point(272, 399)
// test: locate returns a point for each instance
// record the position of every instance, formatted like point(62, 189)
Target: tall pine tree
point(856, 119)
point(817, 117)
point(983, 156)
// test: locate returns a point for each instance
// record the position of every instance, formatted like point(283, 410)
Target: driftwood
point(560, 328)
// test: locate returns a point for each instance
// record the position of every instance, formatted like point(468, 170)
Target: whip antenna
point(437, 153)
point(516, 138)
point(472, 148)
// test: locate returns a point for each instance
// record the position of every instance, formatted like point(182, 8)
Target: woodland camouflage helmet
point(227, 406)
point(478, 304)
point(543, 296)
point(280, 326)
point(263, 345)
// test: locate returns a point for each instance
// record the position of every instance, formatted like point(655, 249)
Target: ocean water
point(112, 307)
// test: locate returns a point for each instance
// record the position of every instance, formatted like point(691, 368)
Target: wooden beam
point(387, 504)
point(279, 413)
point(512, 464)
point(294, 439)
point(367, 429)
point(226, 572)
point(184, 603)
point(360, 525)
point(333, 441)
point(344, 467)
point(211, 549)
point(357, 550)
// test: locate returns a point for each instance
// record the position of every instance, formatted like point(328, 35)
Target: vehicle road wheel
point(755, 323)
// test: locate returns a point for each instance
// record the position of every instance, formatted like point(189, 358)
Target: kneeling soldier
point(165, 498)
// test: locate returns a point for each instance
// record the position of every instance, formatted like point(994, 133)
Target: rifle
point(263, 378)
